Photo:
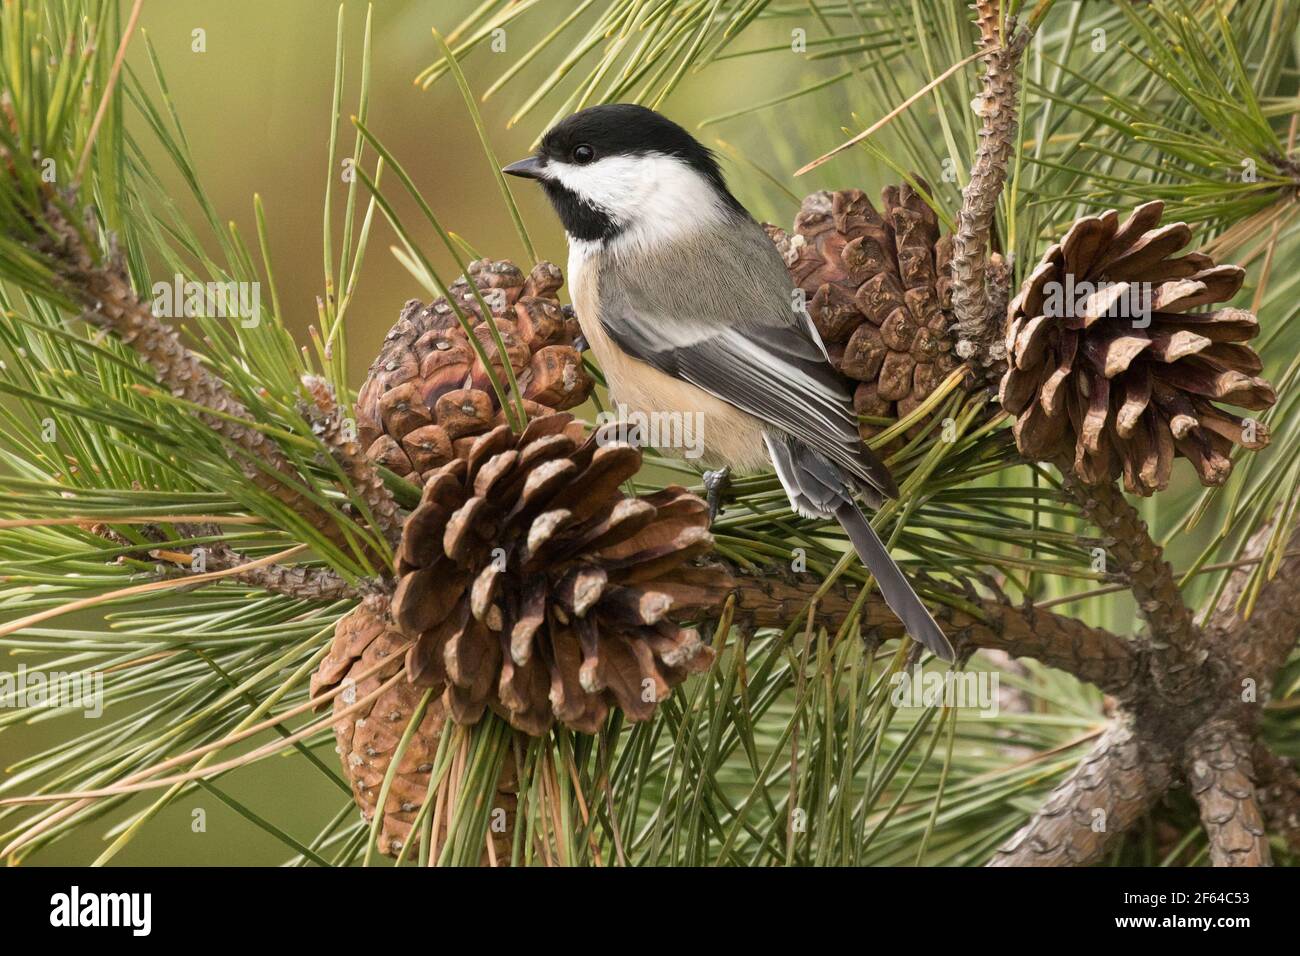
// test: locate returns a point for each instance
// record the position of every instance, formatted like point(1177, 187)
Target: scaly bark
point(1109, 791)
point(1217, 763)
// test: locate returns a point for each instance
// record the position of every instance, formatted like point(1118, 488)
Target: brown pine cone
point(428, 395)
point(367, 741)
point(537, 588)
point(1109, 365)
point(879, 293)
point(529, 583)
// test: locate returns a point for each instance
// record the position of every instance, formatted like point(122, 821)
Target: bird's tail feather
point(817, 488)
point(898, 593)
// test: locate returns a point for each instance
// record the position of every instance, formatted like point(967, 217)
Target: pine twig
point(328, 423)
point(978, 324)
point(296, 581)
point(104, 290)
point(307, 584)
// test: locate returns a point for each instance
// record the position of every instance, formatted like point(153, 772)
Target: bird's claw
point(715, 485)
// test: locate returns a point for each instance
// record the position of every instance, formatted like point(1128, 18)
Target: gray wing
point(731, 331)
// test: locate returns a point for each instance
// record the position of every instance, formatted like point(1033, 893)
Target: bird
point(689, 309)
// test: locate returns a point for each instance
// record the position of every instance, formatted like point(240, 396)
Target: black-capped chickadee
point(689, 309)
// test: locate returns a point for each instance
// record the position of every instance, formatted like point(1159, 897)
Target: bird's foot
point(715, 485)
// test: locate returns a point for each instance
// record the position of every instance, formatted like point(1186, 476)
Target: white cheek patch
point(653, 198)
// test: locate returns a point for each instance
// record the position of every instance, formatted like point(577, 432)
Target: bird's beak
point(530, 168)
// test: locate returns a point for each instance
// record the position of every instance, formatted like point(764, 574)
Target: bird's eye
point(583, 154)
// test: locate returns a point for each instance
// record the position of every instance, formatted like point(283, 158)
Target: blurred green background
point(255, 106)
point(256, 109)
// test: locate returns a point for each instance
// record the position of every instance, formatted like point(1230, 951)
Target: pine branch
point(1194, 709)
point(1108, 661)
point(1172, 634)
point(1108, 792)
point(1185, 697)
point(308, 584)
point(296, 581)
point(1221, 776)
point(1091, 654)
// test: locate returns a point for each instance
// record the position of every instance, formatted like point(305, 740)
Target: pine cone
point(537, 588)
point(1119, 374)
point(428, 395)
point(367, 741)
point(879, 294)
point(530, 584)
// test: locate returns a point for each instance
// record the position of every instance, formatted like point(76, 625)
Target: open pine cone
point(428, 391)
point(529, 583)
point(366, 651)
point(879, 293)
point(1121, 375)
